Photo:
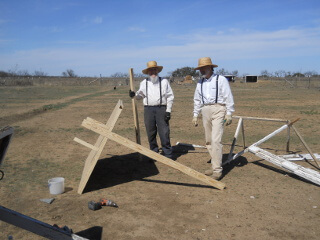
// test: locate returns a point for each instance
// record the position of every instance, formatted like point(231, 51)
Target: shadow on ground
point(120, 169)
point(178, 151)
point(93, 233)
point(238, 162)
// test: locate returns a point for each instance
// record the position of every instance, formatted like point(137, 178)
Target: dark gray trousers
point(154, 122)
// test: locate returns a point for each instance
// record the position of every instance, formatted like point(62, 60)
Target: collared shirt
point(209, 94)
point(153, 97)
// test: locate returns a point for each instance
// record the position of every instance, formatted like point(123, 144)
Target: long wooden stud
point(234, 141)
point(288, 139)
point(101, 129)
point(270, 135)
point(261, 119)
point(306, 146)
point(243, 137)
point(134, 109)
point(94, 155)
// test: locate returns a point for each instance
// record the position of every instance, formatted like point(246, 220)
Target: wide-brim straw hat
point(205, 61)
point(152, 64)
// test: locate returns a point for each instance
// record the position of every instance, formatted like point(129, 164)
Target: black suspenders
point(147, 91)
point(160, 91)
point(216, 90)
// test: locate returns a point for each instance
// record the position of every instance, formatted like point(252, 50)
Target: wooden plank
point(299, 157)
point(93, 156)
point(261, 119)
point(101, 129)
point(234, 141)
point(35, 226)
point(306, 146)
point(88, 145)
point(288, 139)
point(243, 137)
point(134, 109)
point(271, 135)
point(306, 173)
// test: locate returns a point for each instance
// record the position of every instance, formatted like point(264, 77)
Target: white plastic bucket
point(56, 185)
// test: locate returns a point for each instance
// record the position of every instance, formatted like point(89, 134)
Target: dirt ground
point(261, 201)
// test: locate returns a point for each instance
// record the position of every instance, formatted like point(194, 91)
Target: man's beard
point(204, 74)
point(154, 79)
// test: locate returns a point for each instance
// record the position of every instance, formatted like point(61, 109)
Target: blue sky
point(104, 37)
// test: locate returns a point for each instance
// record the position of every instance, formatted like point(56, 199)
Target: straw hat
point(206, 61)
point(152, 64)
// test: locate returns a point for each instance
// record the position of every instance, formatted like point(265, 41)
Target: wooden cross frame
point(240, 125)
point(96, 150)
point(105, 131)
point(288, 125)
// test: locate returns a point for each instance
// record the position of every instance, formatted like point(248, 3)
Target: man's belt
point(210, 104)
point(155, 105)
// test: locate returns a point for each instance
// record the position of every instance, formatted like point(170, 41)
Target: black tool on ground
point(92, 205)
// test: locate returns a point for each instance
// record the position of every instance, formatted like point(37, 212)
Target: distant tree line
point(126, 75)
point(179, 72)
point(283, 73)
point(182, 72)
point(15, 72)
point(22, 73)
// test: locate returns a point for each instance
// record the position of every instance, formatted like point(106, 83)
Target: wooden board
point(306, 146)
point(135, 110)
point(94, 155)
point(103, 130)
point(261, 119)
point(240, 124)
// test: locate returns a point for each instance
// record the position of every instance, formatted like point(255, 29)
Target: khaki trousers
point(212, 117)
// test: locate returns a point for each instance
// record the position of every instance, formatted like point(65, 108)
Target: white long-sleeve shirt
point(151, 96)
point(209, 94)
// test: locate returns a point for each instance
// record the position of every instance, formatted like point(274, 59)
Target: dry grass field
point(155, 201)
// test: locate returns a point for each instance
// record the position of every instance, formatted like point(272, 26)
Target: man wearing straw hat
point(157, 98)
point(213, 98)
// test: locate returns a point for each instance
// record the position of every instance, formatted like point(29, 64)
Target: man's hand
point(167, 116)
point(195, 121)
point(228, 119)
point(132, 94)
